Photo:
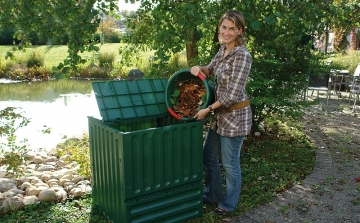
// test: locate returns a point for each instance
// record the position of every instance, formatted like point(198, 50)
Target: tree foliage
point(279, 32)
point(279, 36)
point(78, 19)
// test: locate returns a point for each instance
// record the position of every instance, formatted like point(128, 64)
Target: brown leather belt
point(239, 105)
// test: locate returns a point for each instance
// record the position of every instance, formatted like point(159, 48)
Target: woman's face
point(228, 31)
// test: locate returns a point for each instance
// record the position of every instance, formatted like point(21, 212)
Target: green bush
point(2, 68)
point(349, 61)
point(35, 59)
point(94, 72)
point(106, 60)
point(13, 152)
point(18, 71)
point(79, 150)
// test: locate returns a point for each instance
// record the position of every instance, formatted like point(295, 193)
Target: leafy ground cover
point(271, 163)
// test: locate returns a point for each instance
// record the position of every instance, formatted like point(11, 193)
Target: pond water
point(60, 105)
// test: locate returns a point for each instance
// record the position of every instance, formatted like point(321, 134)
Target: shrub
point(13, 152)
point(79, 150)
point(106, 60)
point(34, 59)
point(21, 72)
point(349, 61)
point(38, 73)
point(2, 68)
point(17, 71)
point(94, 72)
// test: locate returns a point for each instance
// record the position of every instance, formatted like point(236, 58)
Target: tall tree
point(77, 18)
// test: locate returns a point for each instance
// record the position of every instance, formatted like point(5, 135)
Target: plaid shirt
point(231, 74)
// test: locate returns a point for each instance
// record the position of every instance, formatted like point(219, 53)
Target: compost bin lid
point(125, 99)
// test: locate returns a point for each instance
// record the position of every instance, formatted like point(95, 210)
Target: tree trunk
point(353, 42)
point(216, 43)
point(191, 48)
point(339, 41)
point(326, 39)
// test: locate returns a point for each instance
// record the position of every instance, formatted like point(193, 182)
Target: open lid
point(125, 99)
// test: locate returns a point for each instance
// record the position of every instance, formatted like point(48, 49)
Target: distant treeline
point(6, 38)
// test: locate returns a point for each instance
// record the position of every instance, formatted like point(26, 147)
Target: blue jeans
point(230, 148)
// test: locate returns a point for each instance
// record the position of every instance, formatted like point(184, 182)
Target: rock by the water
point(135, 74)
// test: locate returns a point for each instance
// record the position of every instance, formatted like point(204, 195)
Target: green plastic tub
point(183, 75)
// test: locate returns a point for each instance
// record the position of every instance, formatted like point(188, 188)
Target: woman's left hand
point(201, 114)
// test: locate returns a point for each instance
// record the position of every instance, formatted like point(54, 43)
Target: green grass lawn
point(54, 54)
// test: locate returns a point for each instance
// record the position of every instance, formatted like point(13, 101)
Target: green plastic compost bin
point(183, 75)
point(146, 165)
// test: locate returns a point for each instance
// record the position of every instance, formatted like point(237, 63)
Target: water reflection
point(61, 105)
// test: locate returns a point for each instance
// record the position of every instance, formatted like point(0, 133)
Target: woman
point(232, 113)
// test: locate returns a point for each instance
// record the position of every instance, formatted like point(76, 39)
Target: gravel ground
point(331, 194)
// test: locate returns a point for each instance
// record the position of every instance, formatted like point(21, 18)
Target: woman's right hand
point(195, 70)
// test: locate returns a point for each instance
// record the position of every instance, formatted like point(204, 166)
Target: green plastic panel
point(149, 162)
point(124, 100)
point(174, 205)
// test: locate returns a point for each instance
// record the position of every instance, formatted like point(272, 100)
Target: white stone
point(85, 188)
point(86, 182)
point(61, 195)
point(46, 181)
point(62, 181)
point(32, 191)
point(17, 191)
point(33, 179)
point(13, 202)
point(257, 134)
point(37, 159)
point(30, 155)
point(78, 179)
point(31, 166)
point(68, 176)
point(50, 181)
point(54, 176)
point(30, 200)
point(25, 185)
point(2, 173)
point(41, 188)
point(46, 168)
point(45, 176)
point(65, 171)
point(69, 185)
point(48, 195)
point(53, 184)
point(51, 159)
point(60, 163)
point(41, 184)
point(76, 192)
point(7, 185)
point(57, 188)
point(8, 194)
point(65, 157)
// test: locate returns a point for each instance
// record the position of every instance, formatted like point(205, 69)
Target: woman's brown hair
point(239, 21)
